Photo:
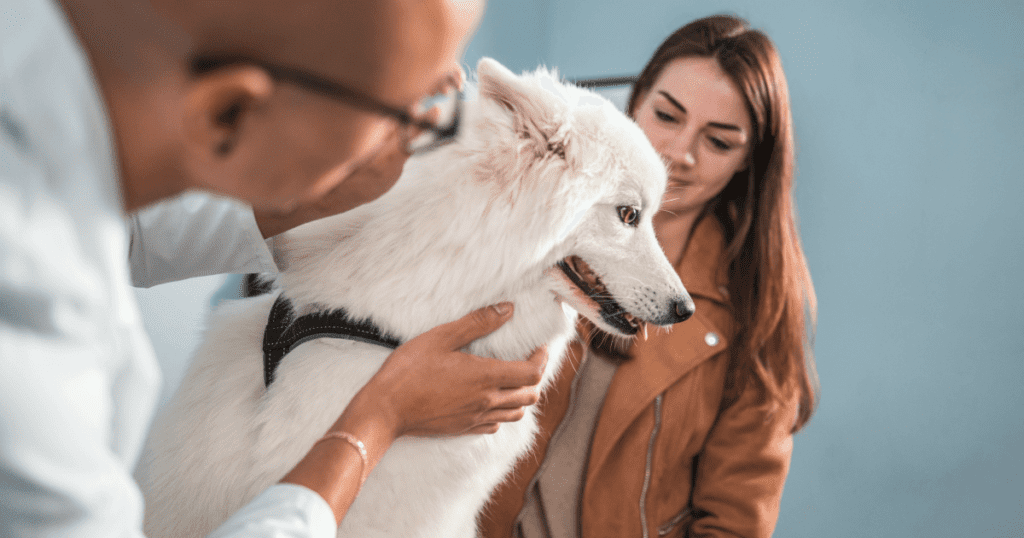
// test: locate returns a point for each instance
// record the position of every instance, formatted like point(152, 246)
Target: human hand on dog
point(477, 395)
point(473, 394)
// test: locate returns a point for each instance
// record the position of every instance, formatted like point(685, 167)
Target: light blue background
point(910, 151)
point(908, 121)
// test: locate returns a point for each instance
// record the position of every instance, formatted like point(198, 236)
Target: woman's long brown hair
point(770, 284)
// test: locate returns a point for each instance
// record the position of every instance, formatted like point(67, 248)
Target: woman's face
point(697, 119)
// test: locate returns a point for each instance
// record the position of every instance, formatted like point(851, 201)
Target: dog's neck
point(433, 249)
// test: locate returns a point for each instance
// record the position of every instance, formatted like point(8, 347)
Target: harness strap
point(284, 332)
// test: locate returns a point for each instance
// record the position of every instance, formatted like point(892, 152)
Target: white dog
point(545, 199)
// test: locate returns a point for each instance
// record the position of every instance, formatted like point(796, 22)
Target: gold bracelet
point(357, 444)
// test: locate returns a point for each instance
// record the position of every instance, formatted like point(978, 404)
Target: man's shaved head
point(240, 132)
point(362, 43)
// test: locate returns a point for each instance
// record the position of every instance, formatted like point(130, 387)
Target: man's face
point(280, 144)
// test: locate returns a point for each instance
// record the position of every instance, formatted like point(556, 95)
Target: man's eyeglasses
point(437, 116)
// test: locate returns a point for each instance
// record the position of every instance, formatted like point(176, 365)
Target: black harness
point(284, 332)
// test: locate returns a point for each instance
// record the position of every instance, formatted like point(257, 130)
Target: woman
point(690, 431)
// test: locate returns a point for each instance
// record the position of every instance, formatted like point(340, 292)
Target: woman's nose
point(680, 151)
point(688, 160)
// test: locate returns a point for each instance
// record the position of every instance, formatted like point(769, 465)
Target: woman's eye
point(664, 116)
point(719, 143)
point(629, 215)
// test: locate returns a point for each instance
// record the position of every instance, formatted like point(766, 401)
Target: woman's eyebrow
point(673, 101)
point(677, 104)
point(727, 126)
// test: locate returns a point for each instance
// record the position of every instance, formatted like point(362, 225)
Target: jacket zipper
point(647, 470)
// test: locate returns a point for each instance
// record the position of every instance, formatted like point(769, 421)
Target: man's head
point(238, 130)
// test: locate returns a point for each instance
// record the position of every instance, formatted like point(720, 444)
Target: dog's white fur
point(536, 175)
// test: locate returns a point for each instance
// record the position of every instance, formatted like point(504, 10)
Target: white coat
point(78, 380)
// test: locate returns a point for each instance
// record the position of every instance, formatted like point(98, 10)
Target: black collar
point(284, 332)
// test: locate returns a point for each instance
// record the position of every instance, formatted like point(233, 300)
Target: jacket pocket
point(678, 522)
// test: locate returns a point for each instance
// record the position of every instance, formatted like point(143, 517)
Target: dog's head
point(583, 168)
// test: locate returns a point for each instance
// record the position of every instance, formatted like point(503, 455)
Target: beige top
point(552, 503)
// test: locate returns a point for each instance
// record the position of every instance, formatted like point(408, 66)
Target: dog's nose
point(682, 309)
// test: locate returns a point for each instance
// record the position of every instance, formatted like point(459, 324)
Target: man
point(108, 106)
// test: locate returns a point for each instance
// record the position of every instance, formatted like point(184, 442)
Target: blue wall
point(910, 151)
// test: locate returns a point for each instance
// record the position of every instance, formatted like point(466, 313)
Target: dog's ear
point(539, 111)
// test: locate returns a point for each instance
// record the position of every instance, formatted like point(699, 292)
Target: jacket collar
point(667, 355)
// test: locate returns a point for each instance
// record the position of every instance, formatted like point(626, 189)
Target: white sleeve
point(67, 383)
point(58, 477)
point(195, 234)
point(77, 384)
point(282, 511)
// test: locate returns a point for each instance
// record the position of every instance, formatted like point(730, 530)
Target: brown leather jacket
point(667, 459)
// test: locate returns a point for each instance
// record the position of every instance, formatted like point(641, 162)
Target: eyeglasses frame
point(203, 64)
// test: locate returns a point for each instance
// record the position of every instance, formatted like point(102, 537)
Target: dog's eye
point(629, 215)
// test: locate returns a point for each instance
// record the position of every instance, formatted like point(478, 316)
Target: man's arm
point(193, 235)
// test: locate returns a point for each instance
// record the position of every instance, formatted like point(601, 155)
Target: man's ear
point(218, 104)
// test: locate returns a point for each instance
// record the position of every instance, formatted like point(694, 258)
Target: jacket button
point(711, 339)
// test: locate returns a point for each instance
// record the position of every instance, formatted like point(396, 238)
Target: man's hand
point(428, 387)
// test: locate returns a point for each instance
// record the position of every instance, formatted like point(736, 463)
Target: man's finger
point(539, 357)
point(518, 397)
point(459, 333)
point(515, 374)
point(483, 429)
point(504, 415)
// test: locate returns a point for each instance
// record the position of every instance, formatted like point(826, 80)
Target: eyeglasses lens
point(441, 110)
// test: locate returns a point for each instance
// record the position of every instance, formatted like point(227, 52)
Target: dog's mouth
point(584, 278)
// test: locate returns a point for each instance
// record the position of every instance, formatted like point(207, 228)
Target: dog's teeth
point(645, 332)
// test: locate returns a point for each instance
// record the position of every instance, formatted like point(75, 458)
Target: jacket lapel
point(656, 365)
point(668, 354)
